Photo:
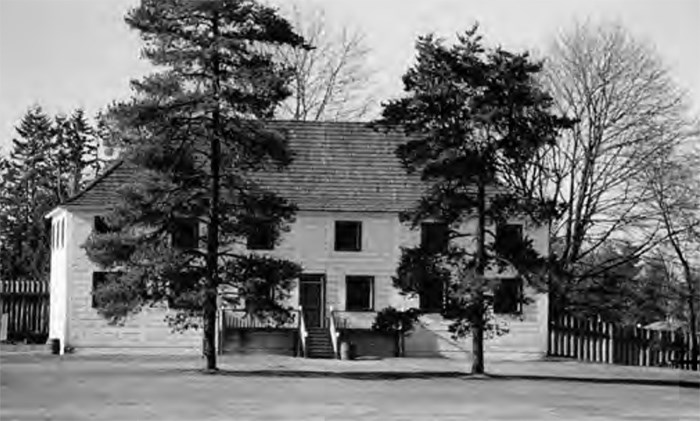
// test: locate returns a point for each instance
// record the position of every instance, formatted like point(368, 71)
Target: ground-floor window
point(508, 296)
point(185, 233)
point(183, 293)
point(99, 279)
point(359, 293)
point(432, 295)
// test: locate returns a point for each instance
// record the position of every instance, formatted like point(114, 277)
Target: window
point(359, 293)
point(54, 235)
point(432, 294)
point(185, 234)
point(100, 226)
point(262, 237)
point(98, 280)
point(508, 296)
point(508, 234)
point(348, 236)
point(434, 237)
point(182, 294)
point(62, 233)
point(58, 233)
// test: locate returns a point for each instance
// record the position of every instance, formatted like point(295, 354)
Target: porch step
point(318, 343)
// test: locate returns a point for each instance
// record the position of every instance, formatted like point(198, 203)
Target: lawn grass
point(128, 390)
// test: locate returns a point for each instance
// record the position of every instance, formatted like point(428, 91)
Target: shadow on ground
point(394, 375)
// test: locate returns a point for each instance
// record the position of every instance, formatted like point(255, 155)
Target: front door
point(312, 299)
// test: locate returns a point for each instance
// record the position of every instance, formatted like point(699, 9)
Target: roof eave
point(55, 212)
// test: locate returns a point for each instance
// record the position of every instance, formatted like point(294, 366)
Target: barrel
point(55, 346)
point(347, 351)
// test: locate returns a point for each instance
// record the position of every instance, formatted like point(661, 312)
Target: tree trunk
point(209, 340)
point(694, 351)
point(397, 344)
point(478, 348)
point(212, 281)
point(210, 292)
point(478, 322)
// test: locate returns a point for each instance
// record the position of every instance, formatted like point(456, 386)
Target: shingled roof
point(338, 166)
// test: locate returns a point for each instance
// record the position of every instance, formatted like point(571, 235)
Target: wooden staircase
point(318, 343)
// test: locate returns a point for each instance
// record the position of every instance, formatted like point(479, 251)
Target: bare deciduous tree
point(675, 190)
point(332, 81)
point(629, 112)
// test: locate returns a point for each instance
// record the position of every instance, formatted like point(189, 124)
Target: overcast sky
point(65, 54)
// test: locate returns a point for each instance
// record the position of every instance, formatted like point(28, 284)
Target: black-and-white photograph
point(349, 210)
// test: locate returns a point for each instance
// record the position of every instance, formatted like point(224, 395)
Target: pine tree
point(26, 196)
point(75, 147)
point(476, 116)
point(194, 134)
point(50, 159)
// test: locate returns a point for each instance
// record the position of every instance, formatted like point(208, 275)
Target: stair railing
point(302, 332)
point(334, 332)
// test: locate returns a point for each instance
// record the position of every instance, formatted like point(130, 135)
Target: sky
point(64, 54)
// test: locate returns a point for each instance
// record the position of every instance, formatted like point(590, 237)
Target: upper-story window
point(58, 233)
point(262, 237)
point(61, 232)
point(348, 236)
point(101, 226)
point(185, 234)
point(434, 237)
point(509, 234)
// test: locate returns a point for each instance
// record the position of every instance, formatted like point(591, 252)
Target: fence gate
point(24, 307)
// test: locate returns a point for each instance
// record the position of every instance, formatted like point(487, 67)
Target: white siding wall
point(58, 278)
point(310, 243)
point(146, 331)
point(527, 336)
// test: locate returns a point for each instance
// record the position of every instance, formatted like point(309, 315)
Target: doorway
point(312, 299)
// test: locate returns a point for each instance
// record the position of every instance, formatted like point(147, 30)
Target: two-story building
point(349, 188)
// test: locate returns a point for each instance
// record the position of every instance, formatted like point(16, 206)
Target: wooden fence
point(597, 341)
point(25, 307)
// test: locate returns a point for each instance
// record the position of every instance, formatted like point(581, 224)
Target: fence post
point(564, 338)
point(571, 342)
point(3, 326)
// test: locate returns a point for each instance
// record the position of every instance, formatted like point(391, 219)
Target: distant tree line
point(51, 158)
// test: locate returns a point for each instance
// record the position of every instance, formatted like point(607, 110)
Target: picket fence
point(597, 341)
point(24, 308)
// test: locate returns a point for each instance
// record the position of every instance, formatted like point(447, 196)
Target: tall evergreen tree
point(50, 159)
point(25, 197)
point(476, 116)
point(194, 134)
point(75, 148)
